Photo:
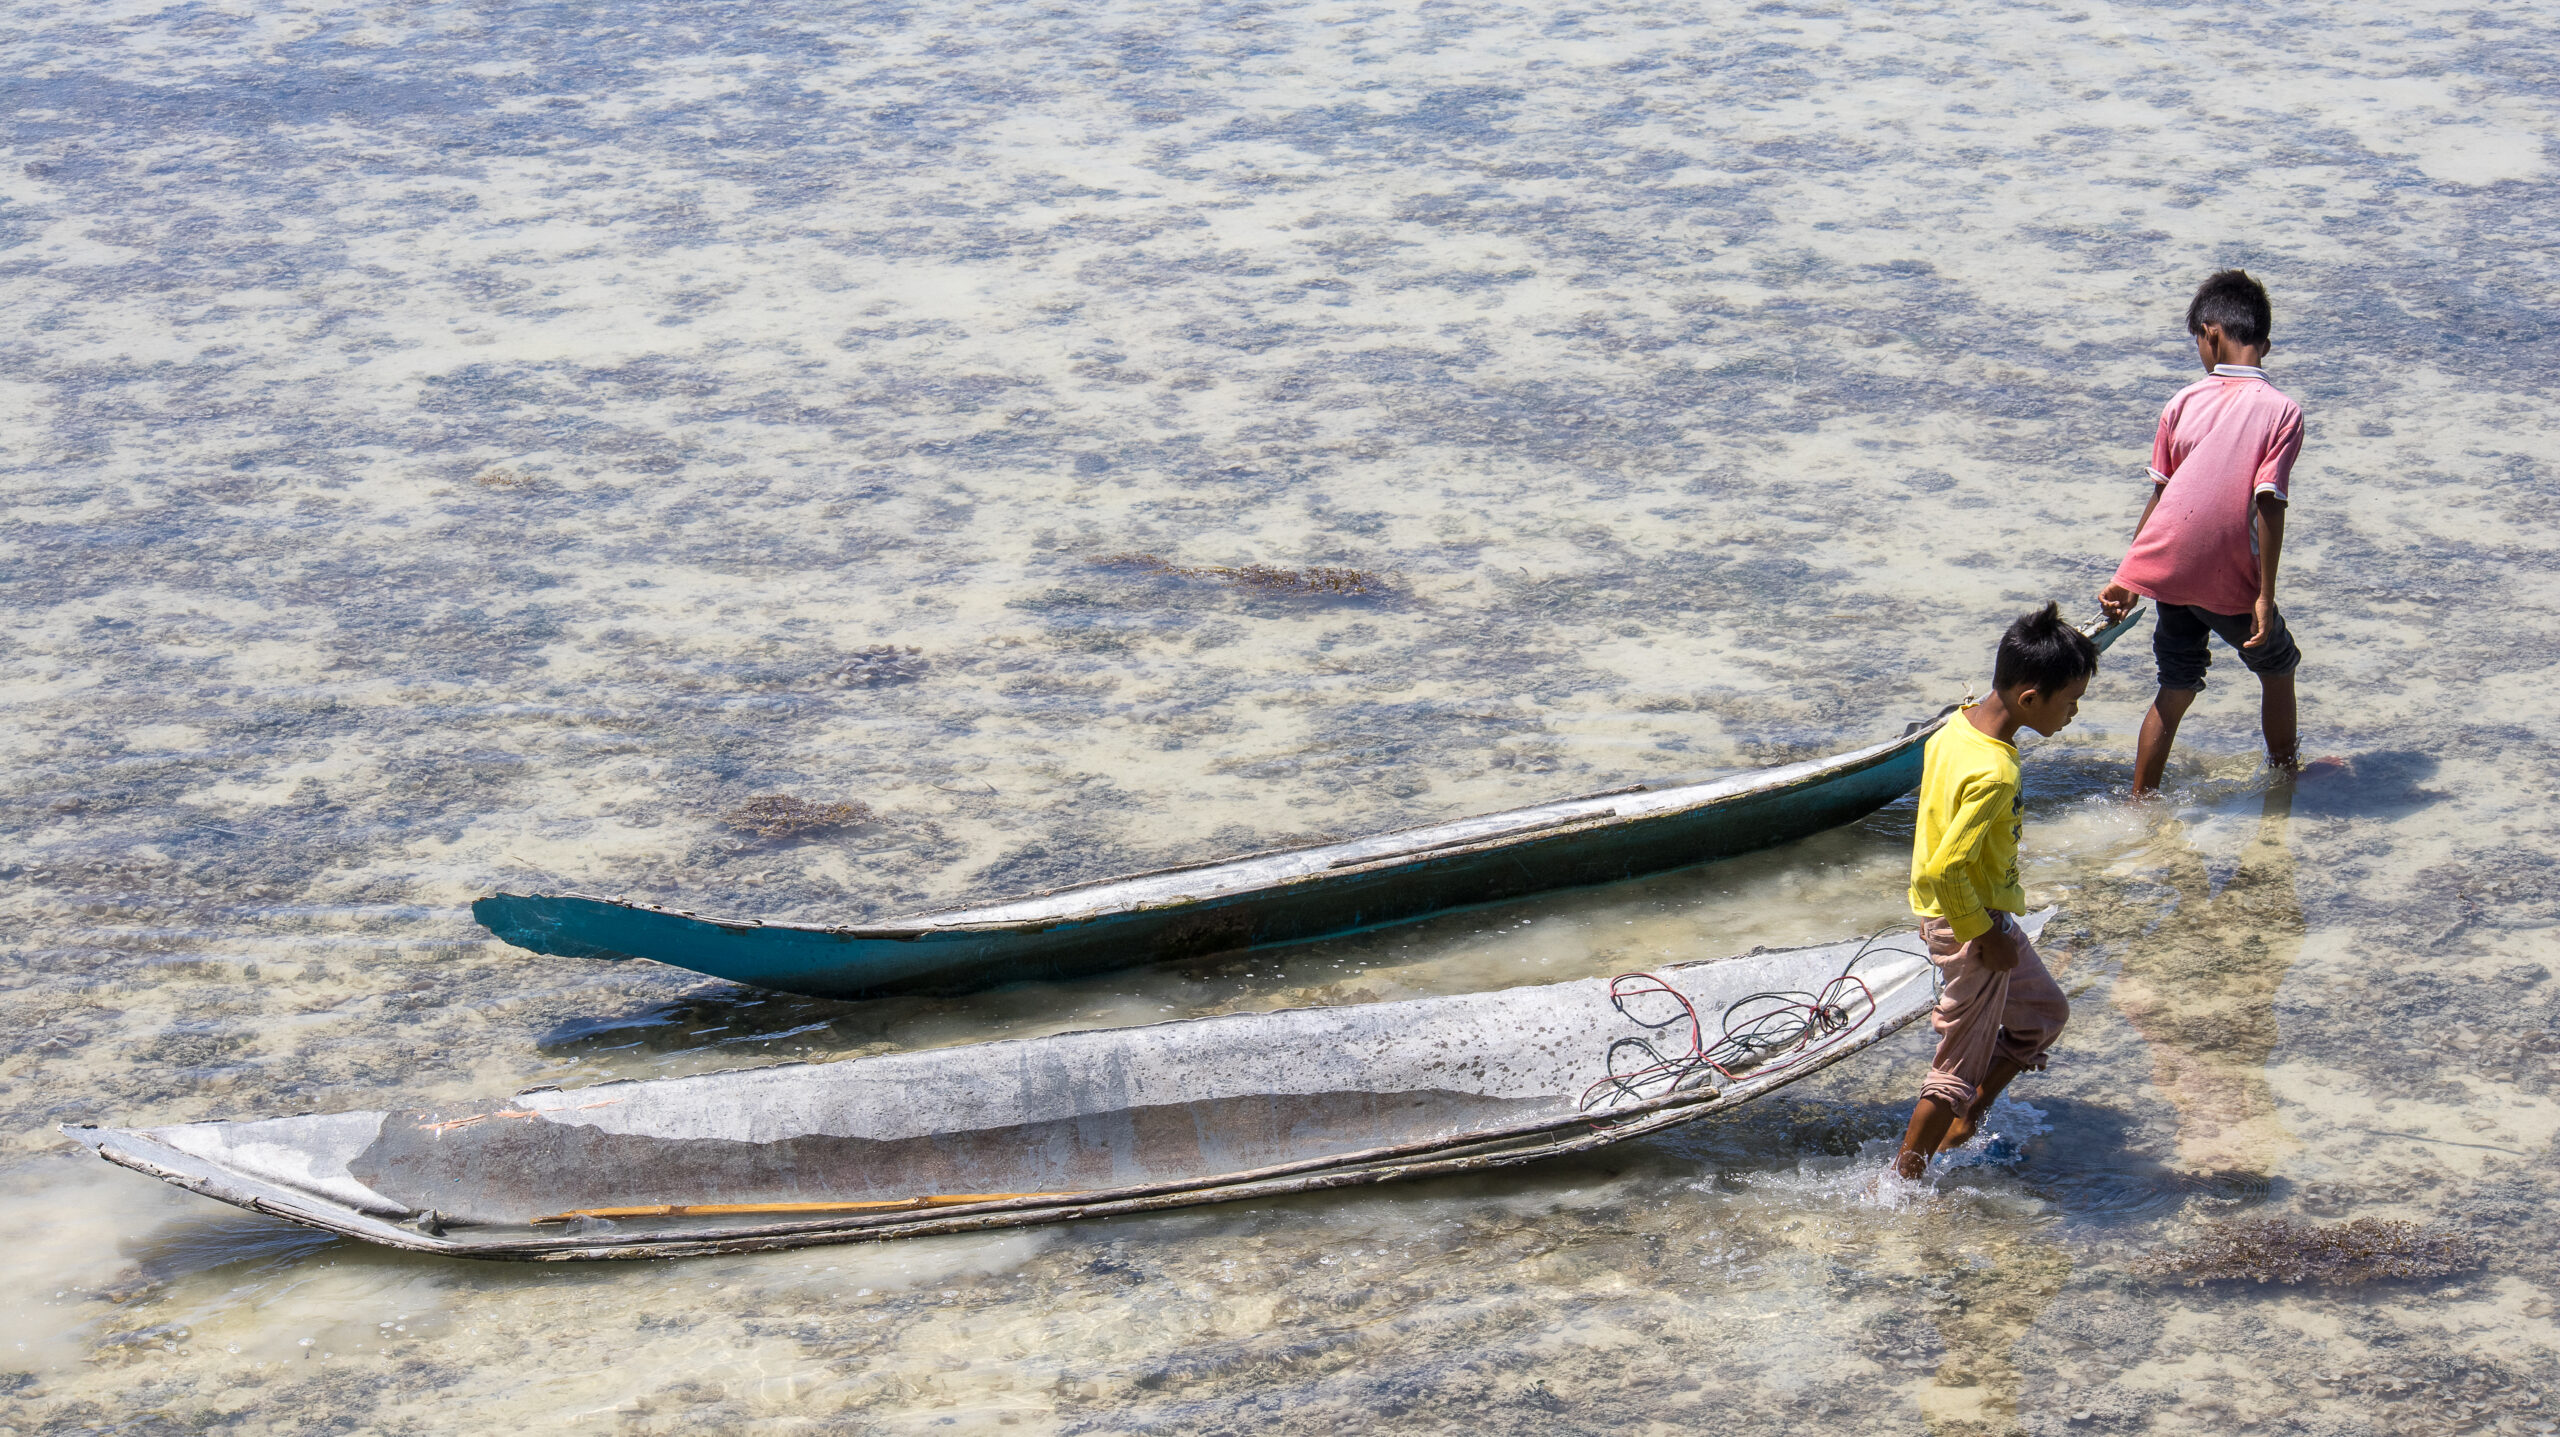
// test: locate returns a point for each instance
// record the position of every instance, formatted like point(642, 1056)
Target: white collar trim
point(2238, 371)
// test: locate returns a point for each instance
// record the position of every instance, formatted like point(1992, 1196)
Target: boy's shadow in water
point(2385, 783)
point(2089, 1165)
point(2090, 1162)
point(2382, 784)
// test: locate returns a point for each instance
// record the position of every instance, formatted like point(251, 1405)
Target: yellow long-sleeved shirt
point(1964, 857)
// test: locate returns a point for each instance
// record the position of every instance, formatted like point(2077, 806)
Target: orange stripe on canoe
point(725, 1209)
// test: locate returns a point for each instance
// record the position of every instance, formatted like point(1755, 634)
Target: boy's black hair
point(2236, 302)
point(2043, 653)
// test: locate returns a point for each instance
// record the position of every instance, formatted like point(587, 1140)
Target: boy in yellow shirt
point(1999, 1009)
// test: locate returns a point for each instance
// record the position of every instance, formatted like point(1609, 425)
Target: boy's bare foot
point(1969, 1122)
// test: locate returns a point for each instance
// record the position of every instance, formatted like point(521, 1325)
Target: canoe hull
point(847, 963)
point(1040, 1130)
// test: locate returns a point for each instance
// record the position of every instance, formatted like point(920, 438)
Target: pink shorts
point(1982, 1015)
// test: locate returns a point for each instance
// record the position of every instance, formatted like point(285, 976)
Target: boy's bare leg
point(1969, 1122)
point(1930, 1119)
point(2160, 730)
point(2276, 720)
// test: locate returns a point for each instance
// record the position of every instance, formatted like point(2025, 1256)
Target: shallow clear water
point(451, 448)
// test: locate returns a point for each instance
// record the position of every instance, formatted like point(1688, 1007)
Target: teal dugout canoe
point(1270, 898)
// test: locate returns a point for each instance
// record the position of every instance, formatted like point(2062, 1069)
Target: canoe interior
point(1160, 1115)
point(1265, 899)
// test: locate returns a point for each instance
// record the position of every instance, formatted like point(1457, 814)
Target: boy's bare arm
point(2270, 523)
point(2115, 599)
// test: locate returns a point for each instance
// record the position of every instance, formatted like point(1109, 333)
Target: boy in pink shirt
point(2205, 550)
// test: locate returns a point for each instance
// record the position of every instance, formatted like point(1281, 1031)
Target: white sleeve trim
point(2156, 476)
point(2281, 496)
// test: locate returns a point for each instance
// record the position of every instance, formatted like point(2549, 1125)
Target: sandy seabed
point(450, 448)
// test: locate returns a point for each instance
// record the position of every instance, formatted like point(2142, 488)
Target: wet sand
point(452, 449)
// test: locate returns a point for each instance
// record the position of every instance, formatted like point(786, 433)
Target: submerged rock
point(2342, 1254)
point(779, 815)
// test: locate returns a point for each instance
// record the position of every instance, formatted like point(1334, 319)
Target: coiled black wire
point(1760, 1033)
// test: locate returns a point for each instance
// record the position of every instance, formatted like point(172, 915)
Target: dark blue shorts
point(2178, 642)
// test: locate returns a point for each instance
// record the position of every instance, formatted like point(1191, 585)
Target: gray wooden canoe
point(1037, 1130)
point(1269, 898)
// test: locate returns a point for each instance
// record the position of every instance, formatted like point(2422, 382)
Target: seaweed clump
point(1263, 578)
point(879, 666)
point(2341, 1255)
point(779, 815)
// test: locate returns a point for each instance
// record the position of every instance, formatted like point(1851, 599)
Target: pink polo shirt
point(2223, 441)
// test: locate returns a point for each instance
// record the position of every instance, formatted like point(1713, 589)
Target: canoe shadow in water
point(193, 1243)
point(745, 1021)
